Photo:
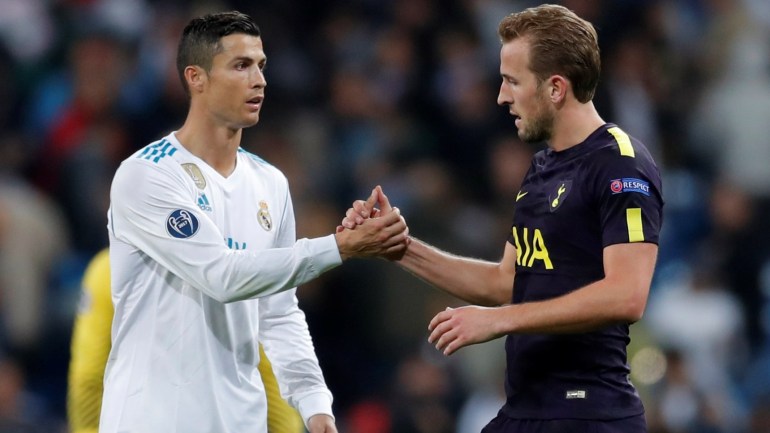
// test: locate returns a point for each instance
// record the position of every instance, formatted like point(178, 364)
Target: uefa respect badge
point(629, 184)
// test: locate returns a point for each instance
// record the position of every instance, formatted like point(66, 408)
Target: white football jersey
point(203, 269)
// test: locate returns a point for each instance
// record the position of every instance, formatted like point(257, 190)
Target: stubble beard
point(539, 130)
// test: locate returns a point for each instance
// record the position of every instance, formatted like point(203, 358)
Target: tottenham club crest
point(182, 224)
point(263, 216)
point(196, 175)
point(557, 197)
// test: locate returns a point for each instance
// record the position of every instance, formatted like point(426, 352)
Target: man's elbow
point(223, 297)
point(225, 293)
point(634, 315)
point(495, 297)
point(633, 307)
point(229, 292)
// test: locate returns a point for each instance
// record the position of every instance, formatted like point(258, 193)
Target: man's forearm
point(472, 280)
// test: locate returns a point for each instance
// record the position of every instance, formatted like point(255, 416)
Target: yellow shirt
point(91, 346)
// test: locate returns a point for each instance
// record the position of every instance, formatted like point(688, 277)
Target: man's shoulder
point(156, 167)
point(616, 142)
point(158, 152)
point(616, 148)
point(257, 163)
point(255, 159)
point(157, 157)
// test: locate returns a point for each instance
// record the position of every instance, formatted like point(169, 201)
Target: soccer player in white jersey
point(205, 260)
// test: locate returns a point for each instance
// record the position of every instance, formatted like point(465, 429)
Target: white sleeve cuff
point(325, 253)
point(314, 404)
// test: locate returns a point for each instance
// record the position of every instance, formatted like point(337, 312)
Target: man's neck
point(215, 144)
point(574, 124)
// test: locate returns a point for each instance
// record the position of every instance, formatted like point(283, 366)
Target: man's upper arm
point(630, 267)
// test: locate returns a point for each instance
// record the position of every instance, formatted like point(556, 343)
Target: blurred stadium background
point(400, 93)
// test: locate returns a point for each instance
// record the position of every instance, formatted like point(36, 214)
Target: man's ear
point(557, 87)
point(196, 78)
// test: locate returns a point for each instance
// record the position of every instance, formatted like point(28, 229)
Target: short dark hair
point(560, 43)
point(201, 39)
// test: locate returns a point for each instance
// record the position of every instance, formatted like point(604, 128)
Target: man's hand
point(321, 423)
point(364, 209)
point(454, 328)
point(369, 231)
point(384, 236)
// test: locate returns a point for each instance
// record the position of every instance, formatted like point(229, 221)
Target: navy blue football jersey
point(573, 203)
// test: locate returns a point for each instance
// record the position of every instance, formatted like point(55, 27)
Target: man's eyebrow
point(254, 58)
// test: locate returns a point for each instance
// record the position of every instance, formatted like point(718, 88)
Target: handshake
point(373, 228)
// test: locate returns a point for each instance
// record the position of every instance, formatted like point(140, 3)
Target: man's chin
point(250, 122)
point(533, 138)
point(526, 137)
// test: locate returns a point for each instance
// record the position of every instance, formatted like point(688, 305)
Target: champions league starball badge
point(263, 216)
point(182, 224)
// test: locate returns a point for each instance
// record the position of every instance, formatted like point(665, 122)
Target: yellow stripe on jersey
point(624, 142)
point(281, 418)
point(634, 222)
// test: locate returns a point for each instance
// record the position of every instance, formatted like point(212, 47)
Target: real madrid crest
point(196, 175)
point(263, 216)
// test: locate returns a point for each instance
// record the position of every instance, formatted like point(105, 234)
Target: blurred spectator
point(424, 398)
point(632, 83)
point(730, 127)
point(680, 406)
point(703, 323)
point(368, 417)
point(86, 139)
point(756, 381)
point(737, 239)
point(26, 29)
point(479, 369)
point(152, 97)
point(20, 410)
point(33, 239)
point(464, 94)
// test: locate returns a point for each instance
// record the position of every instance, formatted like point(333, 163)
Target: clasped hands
point(373, 228)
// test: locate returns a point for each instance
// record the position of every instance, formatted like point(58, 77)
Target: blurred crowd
point(400, 93)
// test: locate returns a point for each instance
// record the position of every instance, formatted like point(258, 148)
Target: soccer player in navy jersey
point(579, 260)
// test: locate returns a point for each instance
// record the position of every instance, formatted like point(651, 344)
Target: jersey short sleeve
point(628, 191)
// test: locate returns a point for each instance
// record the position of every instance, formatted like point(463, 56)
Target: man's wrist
point(317, 403)
point(338, 238)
